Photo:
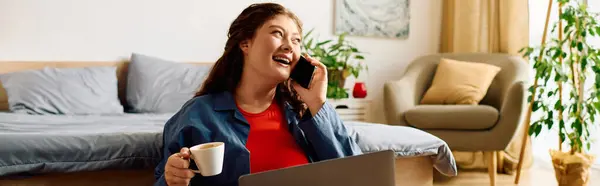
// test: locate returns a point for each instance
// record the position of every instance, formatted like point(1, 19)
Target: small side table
point(352, 109)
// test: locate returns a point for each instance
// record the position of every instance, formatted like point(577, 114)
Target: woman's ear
point(244, 45)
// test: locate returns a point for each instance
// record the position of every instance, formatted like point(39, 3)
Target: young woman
point(266, 121)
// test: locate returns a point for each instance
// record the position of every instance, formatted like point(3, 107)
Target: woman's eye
point(278, 33)
point(296, 41)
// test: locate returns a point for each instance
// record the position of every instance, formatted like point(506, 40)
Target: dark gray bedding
point(51, 143)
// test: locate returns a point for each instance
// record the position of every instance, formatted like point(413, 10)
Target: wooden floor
point(97, 178)
point(534, 176)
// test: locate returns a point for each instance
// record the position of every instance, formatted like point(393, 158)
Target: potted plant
point(566, 92)
point(341, 57)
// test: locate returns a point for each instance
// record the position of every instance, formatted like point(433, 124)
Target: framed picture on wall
point(373, 18)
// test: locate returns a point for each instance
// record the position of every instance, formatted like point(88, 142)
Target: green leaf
point(322, 43)
point(598, 80)
point(536, 105)
point(556, 54)
point(532, 128)
point(328, 61)
point(596, 69)
point(335, 47)
point(557, 105)
point(580, 46)
point(318, 52)
point(359, 57)
point(309, 44)
point(308, 33)
point(583, 62)
point(564, 78)
point(538, 129)
point(342, 37)
point(588, 146)
point(561, 124)
point(531, 89)
point(355, 73)
point(549, 121)
point(578, 127)
point(597, 105)
point(561, 136)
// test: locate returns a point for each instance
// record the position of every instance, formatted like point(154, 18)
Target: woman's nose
point(286, 47)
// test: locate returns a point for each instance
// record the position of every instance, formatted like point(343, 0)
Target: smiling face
point(274, 50)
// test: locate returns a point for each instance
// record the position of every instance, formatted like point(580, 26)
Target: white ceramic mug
point(208, 158)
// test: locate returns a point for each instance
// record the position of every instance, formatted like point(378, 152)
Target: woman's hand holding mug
point(176, 168)
point(208, 158)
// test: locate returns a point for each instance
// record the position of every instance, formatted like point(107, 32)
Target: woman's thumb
point(185, 152)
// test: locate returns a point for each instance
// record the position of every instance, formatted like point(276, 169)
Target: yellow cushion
point(459, 82)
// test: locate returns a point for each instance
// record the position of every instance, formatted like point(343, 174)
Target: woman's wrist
point(315, 105)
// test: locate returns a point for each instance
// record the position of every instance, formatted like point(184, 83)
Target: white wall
point(186, 30)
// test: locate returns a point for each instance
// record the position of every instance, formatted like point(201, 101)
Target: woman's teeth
point(282, 60)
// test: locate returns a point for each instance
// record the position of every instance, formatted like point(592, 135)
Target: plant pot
point(336, 75)
point(571, 169)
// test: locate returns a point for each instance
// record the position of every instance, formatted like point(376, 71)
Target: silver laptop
point(375, 168)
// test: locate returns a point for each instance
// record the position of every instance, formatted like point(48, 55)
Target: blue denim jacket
point(215, 117)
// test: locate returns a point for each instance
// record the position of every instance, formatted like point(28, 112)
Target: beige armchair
point(488, 127)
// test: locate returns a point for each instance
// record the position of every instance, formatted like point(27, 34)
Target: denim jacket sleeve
point(161, 181)
point(180, 131)
point(328, 135)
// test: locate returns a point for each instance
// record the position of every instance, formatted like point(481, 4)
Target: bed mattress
point(34, 144)
point(55, 143)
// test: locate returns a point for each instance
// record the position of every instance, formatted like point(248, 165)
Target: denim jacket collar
point(224, 101)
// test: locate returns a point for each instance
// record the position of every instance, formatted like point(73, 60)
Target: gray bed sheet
point(58, 143)
point(35, 144)
point(405, 142)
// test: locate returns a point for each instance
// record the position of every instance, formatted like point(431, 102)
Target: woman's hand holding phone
point(316, 94)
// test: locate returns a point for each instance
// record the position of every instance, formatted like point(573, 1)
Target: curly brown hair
point(226, 73)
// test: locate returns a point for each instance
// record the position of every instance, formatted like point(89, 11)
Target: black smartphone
point(303, 72)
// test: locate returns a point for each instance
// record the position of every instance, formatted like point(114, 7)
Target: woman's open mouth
point(281, 60)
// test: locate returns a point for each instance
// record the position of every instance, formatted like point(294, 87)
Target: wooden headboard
point(14, 66)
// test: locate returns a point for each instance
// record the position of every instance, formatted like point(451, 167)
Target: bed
point(124, 149)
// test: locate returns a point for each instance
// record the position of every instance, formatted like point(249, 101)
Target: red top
point(270, 143)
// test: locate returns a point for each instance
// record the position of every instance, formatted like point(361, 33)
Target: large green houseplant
point(566, 93)
point(341, 57)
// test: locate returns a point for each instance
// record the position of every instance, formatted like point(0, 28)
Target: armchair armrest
point(397, 99)
point(404, 94)
point(513, 102)
point(512, 114)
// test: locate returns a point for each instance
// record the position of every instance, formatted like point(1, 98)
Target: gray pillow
point(156, 85)
point(68, 91)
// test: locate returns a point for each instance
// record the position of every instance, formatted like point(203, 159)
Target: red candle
point(360, 90)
